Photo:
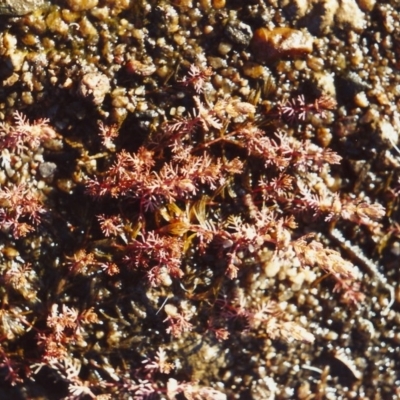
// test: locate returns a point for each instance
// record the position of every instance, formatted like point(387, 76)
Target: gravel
point(79, 62)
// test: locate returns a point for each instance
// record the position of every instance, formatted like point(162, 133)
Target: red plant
point(24, 134)
point(297, 109)
point(178, 322)
point(20, 210)
point(196, 77)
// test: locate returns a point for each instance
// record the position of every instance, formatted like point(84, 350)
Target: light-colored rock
point(387, 133)
point(19, 7)
point(93, 87)
point(325, 15)
point(325, 83)
point(350, 15)
point(296, 8)
point(82, 5)
point(361, 100)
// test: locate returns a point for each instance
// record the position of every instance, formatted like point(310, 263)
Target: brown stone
point(136, 67)
point(270, 45)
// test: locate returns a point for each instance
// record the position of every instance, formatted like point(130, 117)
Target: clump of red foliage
point(209, 191)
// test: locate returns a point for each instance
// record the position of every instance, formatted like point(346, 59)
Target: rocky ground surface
point(82, 62)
